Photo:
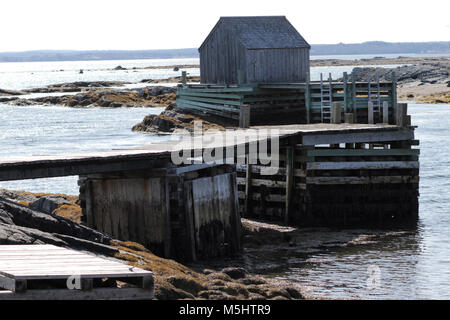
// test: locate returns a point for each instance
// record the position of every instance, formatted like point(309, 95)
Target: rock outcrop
point(173, 120)
point(22, 225)
point(157, 96)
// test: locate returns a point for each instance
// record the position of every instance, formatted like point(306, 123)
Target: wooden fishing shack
point(253, 50)
point(255, 72)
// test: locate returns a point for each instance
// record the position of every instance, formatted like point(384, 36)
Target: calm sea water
point(406, 264)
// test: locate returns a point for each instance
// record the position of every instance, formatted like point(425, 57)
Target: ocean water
point(405, 263)
point(408, 263)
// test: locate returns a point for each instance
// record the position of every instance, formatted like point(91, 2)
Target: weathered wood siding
point(216, 216)
point(277, 65)
point(188, 213)
point(221, 58)
point(131, 209)
point(223, 55)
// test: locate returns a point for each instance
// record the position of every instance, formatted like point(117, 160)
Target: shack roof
point(262, 32)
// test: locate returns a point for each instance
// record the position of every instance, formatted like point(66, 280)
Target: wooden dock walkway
point(158, 155)
point(26, 269)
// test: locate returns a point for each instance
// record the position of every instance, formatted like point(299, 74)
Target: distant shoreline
point(378, 48)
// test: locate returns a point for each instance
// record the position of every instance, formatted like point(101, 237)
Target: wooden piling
point(308, 98)
point(401, 114)
point(244, 116)
point(385, 112)
point(336, 112)
point(248, 187)
point(394, 93)
point(349, 118)
point(370, 112)
point(345, 78)
point(183, 77)
point(289, 180)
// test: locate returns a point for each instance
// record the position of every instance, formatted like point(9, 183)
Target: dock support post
point(345, 92)
point(183, 77)
point(354, 98)
point(370, 112)
point(401, 115)
point(289, 180)
point(88, 204)
point(307, 98)
point(348, 118)
point(248, 186)
point(394, 93)
point(244, 116)
point(385, 112)
point(336, 112)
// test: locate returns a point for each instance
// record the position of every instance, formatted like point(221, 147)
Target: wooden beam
point(336, 111)
point(94, 294)
point(350, 165)
point(401, 115)
point(248, 186)
point(361, 152)
point(289, 181)
point(385, 112)
point(308, 98)
point(335, 138)
point(370, 119)
point(362, 180)
point(244, 116)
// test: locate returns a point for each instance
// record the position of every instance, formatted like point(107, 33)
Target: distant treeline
point(373, 47)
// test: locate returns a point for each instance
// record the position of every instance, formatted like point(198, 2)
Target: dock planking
point(158, 155)
point(23, 266)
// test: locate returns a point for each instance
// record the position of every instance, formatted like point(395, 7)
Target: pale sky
point(167, 24)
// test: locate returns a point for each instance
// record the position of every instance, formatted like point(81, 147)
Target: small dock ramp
point(47, 272)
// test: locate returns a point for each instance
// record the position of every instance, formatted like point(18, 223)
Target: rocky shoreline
point(30, 218)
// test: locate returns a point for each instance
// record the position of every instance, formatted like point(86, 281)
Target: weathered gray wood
point(248, 186)
point(336, 110)
point(402, 110)
point(370, 112)
point(385, 112)
point(189, 220)
point(244, 116)
point(349, 165)
point(310, 140)
point(227, 50)
point(94, 294)
point(362, 180)
point(289, 181)
point(349, 118)
point(7, 283)
point(183, 77)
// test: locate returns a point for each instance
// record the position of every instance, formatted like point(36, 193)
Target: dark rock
point(176, 69)
point(48, 203)
point(235, 272)
point(120, 68)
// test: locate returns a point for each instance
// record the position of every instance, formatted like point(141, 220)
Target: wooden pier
point(47, 272)
point(290, 103)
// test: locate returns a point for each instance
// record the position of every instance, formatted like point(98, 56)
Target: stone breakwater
point(27, 218)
